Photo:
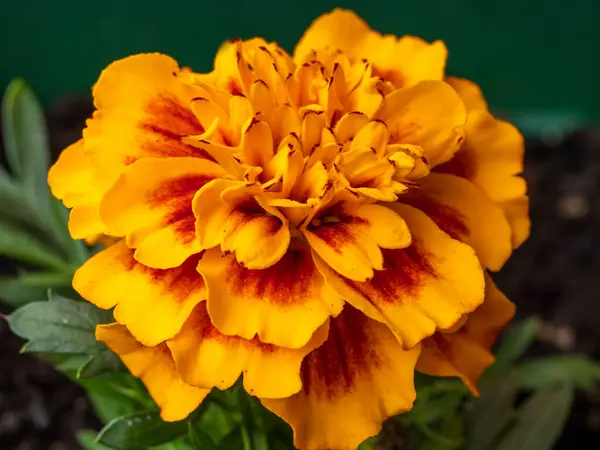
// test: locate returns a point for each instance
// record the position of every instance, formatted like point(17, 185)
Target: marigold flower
point(305, 221)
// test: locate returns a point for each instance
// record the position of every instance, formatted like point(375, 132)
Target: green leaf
point(103, 360)
point(449, 437)
point(199, 439)
point(540, 420)
point(516, 341)
point(218, 422)
point(115, 395)
point(490, 414)
point(87, 439)
point(18, 244)
point(139, 431)
point(60, 325)
point(579, 371)
point(26, 139)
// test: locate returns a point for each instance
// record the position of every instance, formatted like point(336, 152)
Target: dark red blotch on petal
point(332, 369)
point(462, 165)
point(448, 219)
point(205, 330)
point(403, 273)
point(284, 283)
point(176, 196)
point(167, 122)
point(181, 282)
point(338, 233)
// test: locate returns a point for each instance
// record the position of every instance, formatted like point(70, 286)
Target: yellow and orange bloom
point(320, 223)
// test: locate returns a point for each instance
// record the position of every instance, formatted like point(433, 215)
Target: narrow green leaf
point(139, 431)
point(26, 139)
point(46, 280)
point(490, 414)
point(103, 360)
point(516, 341)
point(58, 326)
point(87, 439)
point(115, 395)
point(540, 420)
point(217, 421)
point(16, 294)
point(199, 439)
point(18, 244)
point(450, 435)
point(577, 370)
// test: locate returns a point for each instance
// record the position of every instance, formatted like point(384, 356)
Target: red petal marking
point(399, 134)
point(177, 196)
point(338, 234)
point(403, 272)
point(448, 219)
point(332, 369)
point(284, 283)
point(234, 87)
point(462, 165)
point(168, 122)
point(393, 76)
point(205, 330)
point(181, 282)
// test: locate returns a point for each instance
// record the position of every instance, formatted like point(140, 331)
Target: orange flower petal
point(143, 111)
point(283, 304)
point(466, 352)
point(403, 61)
point(429, 114)
point(72, 179)
point(426, 286)
point(492, 157)
point(353, 382)
point(206, 358)
point(350, 243)
point(152, 303)
point(461, 210)
point(156, 368)
point(151, 203)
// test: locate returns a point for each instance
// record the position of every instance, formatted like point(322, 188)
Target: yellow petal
point(152, 303)
point(151, 204)
point(283, 304)
point(461, 210)
point(156, 368)
point(429, 114)
point(466, 352)
point(207, 358)
point(350, 241)
point(143, 110)
point(469, 92)
point(351, 384)
point(492, 157)
point(72, 179)
point(426, 286)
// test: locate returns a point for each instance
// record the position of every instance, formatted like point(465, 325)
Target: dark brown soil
point(553, 275)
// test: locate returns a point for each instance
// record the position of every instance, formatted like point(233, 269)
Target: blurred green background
point(537, 61)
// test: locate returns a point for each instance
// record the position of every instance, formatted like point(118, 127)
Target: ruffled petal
point(283, 304)
point(426, 286)
point(152, 303)
point(466, 353)
point(352, 383)
point(492, 158)
point(350, 241)
point(429, 114)
point(403, 61)
point(72, 179)
point(465, 213)
point(156, 368)
point(143, 110)
point(151, 204)
point(207, 358)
